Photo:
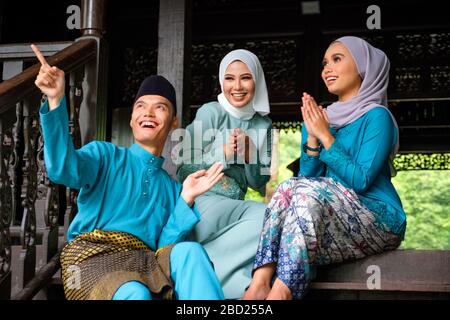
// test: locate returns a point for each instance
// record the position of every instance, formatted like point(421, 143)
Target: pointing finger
point(39, 55)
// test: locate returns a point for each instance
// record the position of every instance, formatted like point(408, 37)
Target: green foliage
point(289, 150)
point(425, 195)
point(416, 161)
point(253, 195)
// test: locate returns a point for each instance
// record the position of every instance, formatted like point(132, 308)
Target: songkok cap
point(157, 85)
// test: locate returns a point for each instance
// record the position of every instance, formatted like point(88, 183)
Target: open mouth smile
point(330, 79)
point(148, 124)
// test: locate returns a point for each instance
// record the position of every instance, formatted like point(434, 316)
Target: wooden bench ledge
point(400, 270)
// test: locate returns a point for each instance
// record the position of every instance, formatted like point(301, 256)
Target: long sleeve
point(310, 166)
point(359, 173)
point(206, 142)
point(181, 221)
point(258, 174)
point(65, 165)
point(203, 145)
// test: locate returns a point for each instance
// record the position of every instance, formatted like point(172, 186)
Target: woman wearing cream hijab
point(230, 227)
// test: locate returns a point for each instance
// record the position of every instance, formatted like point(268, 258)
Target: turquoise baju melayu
point(229, 228)
point(126, 189)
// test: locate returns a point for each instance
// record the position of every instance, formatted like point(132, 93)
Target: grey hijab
point(373, 67)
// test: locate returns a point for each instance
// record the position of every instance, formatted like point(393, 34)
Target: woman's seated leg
point(260, 285)
point(225, 226)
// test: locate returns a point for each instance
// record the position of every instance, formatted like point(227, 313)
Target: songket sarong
point(95, 264)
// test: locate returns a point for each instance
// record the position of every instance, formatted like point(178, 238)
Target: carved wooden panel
point(278, 58)
point(140, 62)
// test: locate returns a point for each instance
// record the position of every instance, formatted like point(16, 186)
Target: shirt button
point(146, 181)
point(144, 194)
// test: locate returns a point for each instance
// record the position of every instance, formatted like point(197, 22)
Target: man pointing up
point(126, 242)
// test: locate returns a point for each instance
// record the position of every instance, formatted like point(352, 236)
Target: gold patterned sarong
point(95, 264)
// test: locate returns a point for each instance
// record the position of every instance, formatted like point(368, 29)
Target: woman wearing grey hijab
point(342, 205)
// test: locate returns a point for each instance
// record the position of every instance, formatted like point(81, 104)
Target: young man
point(126, 240)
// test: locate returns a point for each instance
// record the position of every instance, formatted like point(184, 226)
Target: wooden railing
point(34, 212)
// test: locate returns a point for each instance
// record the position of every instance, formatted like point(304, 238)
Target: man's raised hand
point(201, 181)
point(50, 80)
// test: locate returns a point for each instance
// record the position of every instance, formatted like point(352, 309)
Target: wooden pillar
point(93, 112)
point(94, 14)
point(174, 54)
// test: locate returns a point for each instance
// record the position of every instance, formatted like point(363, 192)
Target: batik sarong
point(317, 221)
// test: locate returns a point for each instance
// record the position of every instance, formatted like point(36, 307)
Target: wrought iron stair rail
point(27, 197)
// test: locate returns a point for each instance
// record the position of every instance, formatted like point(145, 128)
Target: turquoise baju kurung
point(341, 207)
point(358, 160)
point(126, 189)
point(229, 228)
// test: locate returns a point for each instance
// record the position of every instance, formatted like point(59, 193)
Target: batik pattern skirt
point(317, 221)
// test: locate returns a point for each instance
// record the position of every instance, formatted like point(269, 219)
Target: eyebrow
point(232, 75)
point(162, 102)
point(333, 56)
point(159, 102)
point(138, 102)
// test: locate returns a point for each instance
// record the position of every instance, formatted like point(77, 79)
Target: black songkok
point(157, 85)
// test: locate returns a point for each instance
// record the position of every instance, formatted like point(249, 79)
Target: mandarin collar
point(147, 156)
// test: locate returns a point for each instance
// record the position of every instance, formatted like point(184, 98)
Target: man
point(128, 206)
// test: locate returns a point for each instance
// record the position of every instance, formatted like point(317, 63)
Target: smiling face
point(238, 84)
point(151, 121)
point(340, 72)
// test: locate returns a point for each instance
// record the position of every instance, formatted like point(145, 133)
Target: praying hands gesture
point(240, 145)
point(317, 123)
point(201, 181)
point(50, 80)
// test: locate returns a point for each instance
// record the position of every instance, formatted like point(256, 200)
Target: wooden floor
point(404, 275)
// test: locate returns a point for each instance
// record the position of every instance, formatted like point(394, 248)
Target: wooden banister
point(32, 206)
point(16, 88)
point(33, 199)
point(41, 279)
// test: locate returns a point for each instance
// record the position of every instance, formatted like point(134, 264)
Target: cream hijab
point(260, 101)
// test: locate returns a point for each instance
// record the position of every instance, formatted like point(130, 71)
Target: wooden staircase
point(34, 212)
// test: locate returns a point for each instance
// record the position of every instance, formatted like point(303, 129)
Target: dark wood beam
point(174, 55)
point(93, 113)
point(174, 48)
